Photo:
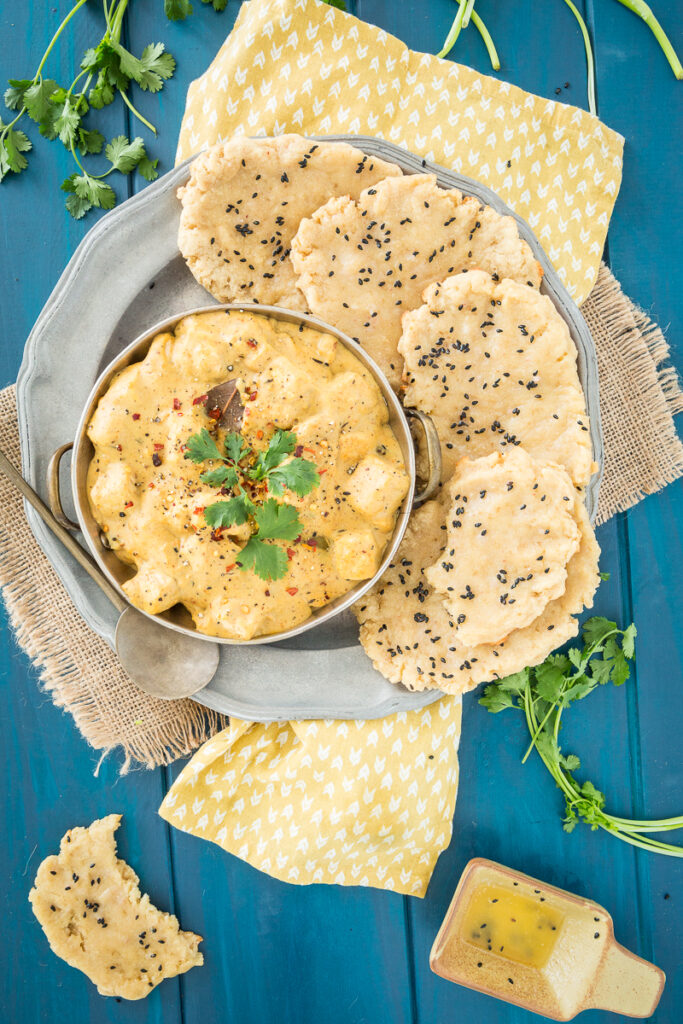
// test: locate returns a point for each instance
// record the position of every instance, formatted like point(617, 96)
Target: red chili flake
point(200, 399)
point(176, 403)
point(129, 504)
point(292, 591)
point(158, 447)
point(156, 459)
point(150, 485)
point(228, 568)
point(253, 396)
point(199, 509)
point(136, 415)
point(118, 447)
point(267, 593)
point(215, 414)
point(298, 450)
point(311, 450)
point(259, 434)
point(290, 552)
point(217, 533)
point(251, 343)
point(321, 471)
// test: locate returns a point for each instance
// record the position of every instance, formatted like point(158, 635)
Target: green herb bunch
point(106, 70)
point(250, 475)
point(545, 692)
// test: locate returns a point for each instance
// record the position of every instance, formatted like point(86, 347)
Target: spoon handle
point(84, 560)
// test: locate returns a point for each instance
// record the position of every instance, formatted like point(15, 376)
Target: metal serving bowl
point(178, 618)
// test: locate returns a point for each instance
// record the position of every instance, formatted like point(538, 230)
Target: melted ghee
point(515, 927)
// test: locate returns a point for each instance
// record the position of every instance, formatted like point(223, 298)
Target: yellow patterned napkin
point(302, 66)
point(353, 803)
point(371, 803)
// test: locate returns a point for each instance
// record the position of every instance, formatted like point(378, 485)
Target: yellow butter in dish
point(516, 938)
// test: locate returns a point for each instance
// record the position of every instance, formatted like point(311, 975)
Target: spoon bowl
point(163, 664)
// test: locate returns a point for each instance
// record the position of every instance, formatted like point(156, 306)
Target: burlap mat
point(639, 396)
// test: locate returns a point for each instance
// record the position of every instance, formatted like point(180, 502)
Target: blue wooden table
point(277, 953)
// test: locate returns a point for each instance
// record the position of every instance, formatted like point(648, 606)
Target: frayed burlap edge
point(77, 668)
point(640, 394)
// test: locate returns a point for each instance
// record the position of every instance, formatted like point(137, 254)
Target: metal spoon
point(159, 661)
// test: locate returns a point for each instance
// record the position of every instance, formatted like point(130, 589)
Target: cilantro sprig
point(106, 70)
point(249, 475)
point(543, 693)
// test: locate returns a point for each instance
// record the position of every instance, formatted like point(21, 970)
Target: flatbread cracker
point(494, 365)
point(244, 201)
point(410, 636)
point(362, 264)
point(89, 905)
point(510, 536)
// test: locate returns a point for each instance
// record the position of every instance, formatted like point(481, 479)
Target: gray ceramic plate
point(127, 274)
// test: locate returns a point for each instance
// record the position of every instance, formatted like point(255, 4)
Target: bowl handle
point(433, 455)
point(53, 495)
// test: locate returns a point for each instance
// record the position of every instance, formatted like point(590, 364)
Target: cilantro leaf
point(268, 561)
point(13, 145)
point(67, 122)
point(496, 700)
point(102, 92)
point(299, 475)
point(596, 629)
point(201, 446)
point(628, 642)
point(37, 98)
point(233, 512)
point(86, 192)
point(177, 10)
point(222, 476)
point(235, 446)
point(148, 168)
point(14, 95)
point(150, 69)
point(281, 444)
point(550, 678)
point(90, 141)
point(339, 4)
point(276, 521)
point(570, 762)
point(124, 155)
point(218, 5)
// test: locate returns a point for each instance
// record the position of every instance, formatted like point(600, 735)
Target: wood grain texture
point(280, 953)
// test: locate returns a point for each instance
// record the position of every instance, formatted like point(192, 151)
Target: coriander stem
point(14, 120)
point(589, 56)
point(537, 731)
point(645, 12)
point(662, 825)
point(454, 31)
point(57, 34)
point(469, 4)
point(488, 41)
point(136, 112)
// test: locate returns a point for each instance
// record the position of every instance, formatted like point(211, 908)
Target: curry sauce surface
point(149, 501)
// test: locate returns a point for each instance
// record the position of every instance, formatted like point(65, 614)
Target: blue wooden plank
point(280, 952)
point(49, 770)
point(647, 260)
point(50, 786)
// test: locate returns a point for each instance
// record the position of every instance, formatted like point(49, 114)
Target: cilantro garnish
point(249, 474)
point(105, 70)
point(543, 693)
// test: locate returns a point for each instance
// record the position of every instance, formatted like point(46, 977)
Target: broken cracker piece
point(90, 907)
